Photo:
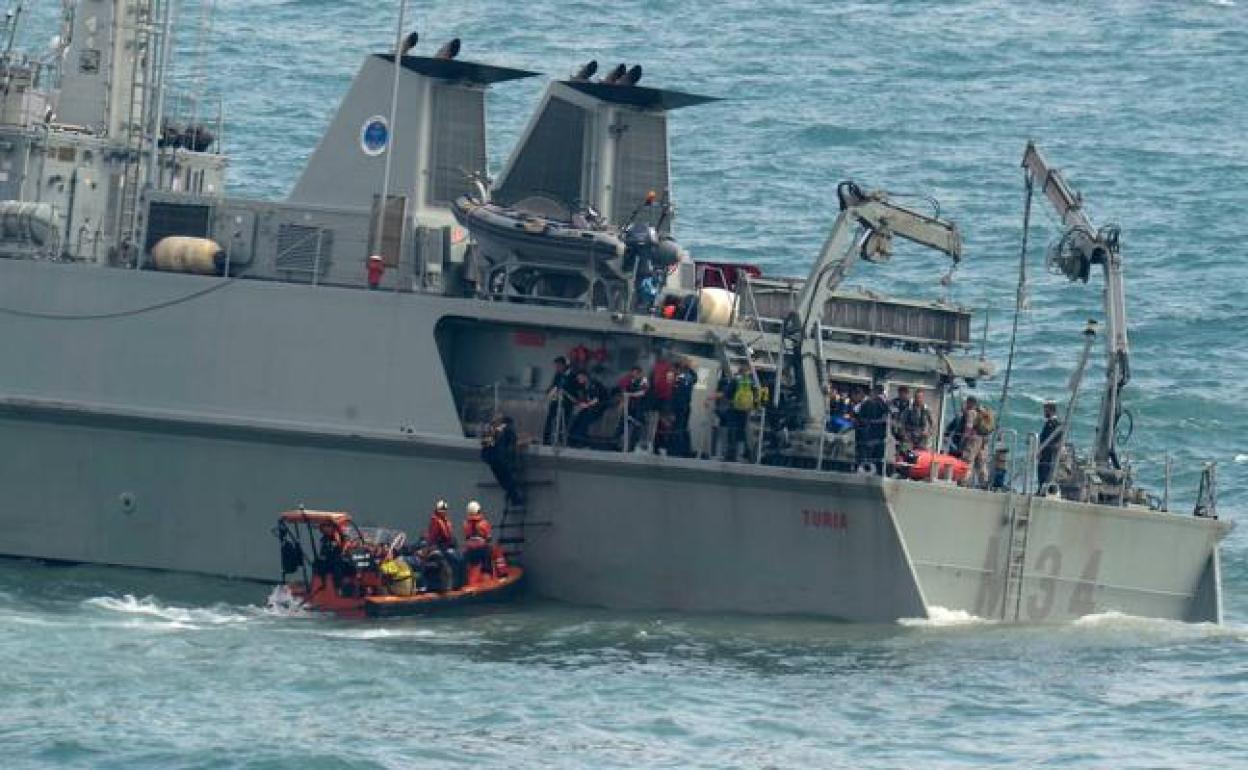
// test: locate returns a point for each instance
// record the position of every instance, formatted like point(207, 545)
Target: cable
point(1020, 299)
point(117, 314)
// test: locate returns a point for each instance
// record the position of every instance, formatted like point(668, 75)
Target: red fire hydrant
point(376, 269)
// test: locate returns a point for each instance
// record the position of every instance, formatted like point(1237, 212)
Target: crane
point(864, 229)
point(1082, 247)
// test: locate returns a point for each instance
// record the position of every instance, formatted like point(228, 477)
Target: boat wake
point(1114, 621)
point(940, 617)
point(1111, 622)
point(371, 634)
point(283, 604)
point(172, 617)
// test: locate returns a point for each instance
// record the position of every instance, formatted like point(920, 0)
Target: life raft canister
point(924, 459)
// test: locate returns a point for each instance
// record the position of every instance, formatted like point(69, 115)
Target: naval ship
point(182, 365)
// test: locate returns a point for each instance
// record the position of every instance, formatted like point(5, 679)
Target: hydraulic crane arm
point(864, 229)
point(1082, 247)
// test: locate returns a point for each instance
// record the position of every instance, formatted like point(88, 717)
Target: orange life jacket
point(440, 534)
point(477, 526)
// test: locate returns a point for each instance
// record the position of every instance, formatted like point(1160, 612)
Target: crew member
point(441, 539)
point(953, 433)
point(477, 532)
point(662, 385)
point(396, 574)
point(897, 408)
point(332, 557)
point(873, 421)
point(1050, 445)
point(634, 387)
point(743, 402)
point(559, 411)
point(682, 406)
point(498, 450)
point(971, 443)
point(917, 424)
point(589, 398)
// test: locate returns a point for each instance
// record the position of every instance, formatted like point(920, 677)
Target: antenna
point(384, 199)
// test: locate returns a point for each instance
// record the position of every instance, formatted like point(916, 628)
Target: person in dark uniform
point(634, 387)
point(873, 418)
point(1050, 445)
point(498, 450)
point(682, 406)
point(557, 396)
point(589, 402)
point(953, 434)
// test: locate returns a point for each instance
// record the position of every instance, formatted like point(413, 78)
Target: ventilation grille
point(303, 248)
point(640, 165)
point(549, 163)
point(458, 141)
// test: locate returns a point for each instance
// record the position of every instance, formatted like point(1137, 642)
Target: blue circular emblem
point(375, 135)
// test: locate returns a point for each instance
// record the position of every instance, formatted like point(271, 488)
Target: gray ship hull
point(180, 414)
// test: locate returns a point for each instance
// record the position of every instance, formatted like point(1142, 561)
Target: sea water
point(1143, 104)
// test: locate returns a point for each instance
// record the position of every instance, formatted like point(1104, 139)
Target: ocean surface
point(1144, 104)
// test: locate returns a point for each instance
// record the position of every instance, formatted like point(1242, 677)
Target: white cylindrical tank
point(183, 254)
point(717, 307)
point(34, 223)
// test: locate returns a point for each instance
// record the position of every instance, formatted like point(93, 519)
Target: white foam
point(1241, 459)
point(150, 607)
point(282, 603)
point(1158, 629)
point(366, 634)
point(940, 617)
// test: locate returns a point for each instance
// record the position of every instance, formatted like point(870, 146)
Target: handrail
point(1030, 472)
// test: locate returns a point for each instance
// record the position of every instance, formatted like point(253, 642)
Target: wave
point(1111, 621)
point(940, 617)
point(1120, 621)
point(369, 634)
point(173, 617)
point(283, 604)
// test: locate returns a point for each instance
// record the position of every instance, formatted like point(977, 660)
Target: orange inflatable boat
point(356, 571)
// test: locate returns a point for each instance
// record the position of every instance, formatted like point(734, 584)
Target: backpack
point(985, 421)
point(743, 396)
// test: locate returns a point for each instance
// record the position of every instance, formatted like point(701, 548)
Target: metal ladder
point(511, 531)
point(136, 128)
point(514, 524)
point(1020, 527)
point(733, 352)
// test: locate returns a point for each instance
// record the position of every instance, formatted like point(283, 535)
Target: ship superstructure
point(182, 395)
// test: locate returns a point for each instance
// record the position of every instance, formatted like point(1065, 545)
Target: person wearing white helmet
point(477, 532)
point(441, 539)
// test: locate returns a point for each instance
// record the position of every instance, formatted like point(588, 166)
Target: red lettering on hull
point(819, 519)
